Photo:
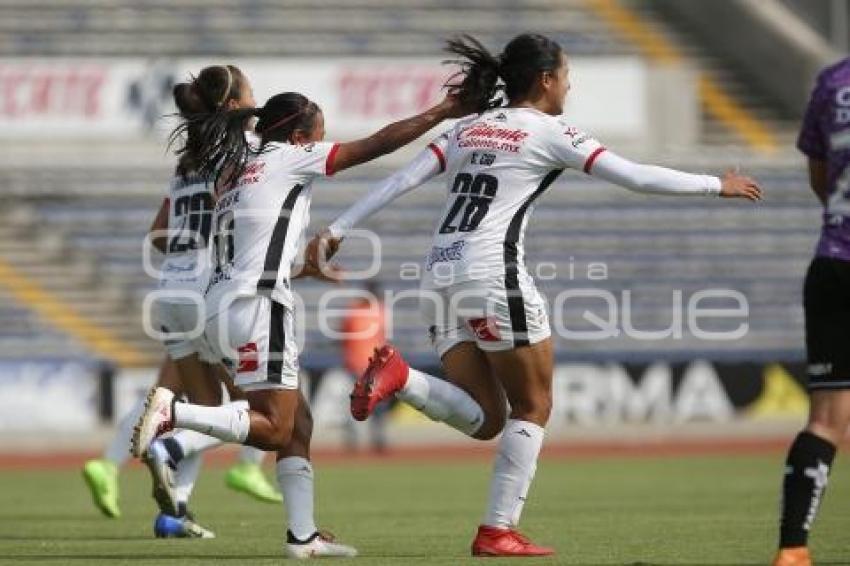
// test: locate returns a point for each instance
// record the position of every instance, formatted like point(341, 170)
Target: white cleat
point(156, 459)
point(320, 545)
point(156, 419)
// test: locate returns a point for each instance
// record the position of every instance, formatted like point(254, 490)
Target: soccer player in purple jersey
point(825, 140)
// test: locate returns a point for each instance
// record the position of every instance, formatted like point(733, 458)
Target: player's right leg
point(809, 461)
point(253, 328)
point(807, 468)
point(526, 375)
point(295, 478)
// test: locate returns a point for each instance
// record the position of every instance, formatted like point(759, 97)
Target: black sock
point(175, 451)
point(806, 471)
point(292, 539)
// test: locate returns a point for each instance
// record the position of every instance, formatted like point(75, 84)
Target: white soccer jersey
point(259, 222)
point(187, 258)
point(497, 165)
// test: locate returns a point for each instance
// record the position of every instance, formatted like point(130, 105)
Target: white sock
point(193, 443)
point(118, 450)
point(442, 401)
point(229, 422)
point(185, 476)
point(251, 455)
point(513, 470)
point(295, 478)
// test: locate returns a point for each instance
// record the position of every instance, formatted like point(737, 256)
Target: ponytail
point(221, 148)
point(197, 101)
point(479, 69)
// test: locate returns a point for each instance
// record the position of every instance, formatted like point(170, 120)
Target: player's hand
point(452, 107)
point(735, 185)
point(321, 248)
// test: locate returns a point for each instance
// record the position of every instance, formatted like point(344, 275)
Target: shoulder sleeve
point(812, 139)
point(440, 147)
point(570, 147)
point(312, 159)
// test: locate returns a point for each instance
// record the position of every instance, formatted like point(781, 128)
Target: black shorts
point(826, 300)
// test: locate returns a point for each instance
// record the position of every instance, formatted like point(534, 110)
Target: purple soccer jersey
point(825, 136)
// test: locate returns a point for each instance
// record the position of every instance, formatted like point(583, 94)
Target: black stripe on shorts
point(516, 302)
point(277, 343)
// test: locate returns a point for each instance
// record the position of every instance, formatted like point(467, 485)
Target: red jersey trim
point(591, 158)
point(329, 164)
point(439, 153)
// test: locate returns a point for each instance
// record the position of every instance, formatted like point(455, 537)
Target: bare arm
point(160, 224)
point(818, 179)
point(390, 138)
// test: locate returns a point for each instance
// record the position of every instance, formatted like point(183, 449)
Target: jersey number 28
point(474, 197)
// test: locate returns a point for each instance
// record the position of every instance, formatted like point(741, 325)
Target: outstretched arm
point(651, 179)
point(390, 138)
point(423, 167)
point(426, 165)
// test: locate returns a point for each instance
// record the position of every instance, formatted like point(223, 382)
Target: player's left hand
point(735, 185)
point(452, 107)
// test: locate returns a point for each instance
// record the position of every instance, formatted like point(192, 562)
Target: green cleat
point(102, 478)
point(248, 478)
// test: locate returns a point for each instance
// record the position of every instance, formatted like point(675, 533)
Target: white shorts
point(256, 337)
point(179, 321)
point(485, 312)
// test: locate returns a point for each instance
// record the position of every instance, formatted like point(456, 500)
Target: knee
point(535, 408)
point(282, 431)
point(303, 429)
point(494, 423)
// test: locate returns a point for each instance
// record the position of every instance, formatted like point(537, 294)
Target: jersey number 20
point(196, 211)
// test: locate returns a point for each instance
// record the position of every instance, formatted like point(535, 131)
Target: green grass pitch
point(706, 510)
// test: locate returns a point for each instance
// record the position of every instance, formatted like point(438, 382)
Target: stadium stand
point(90, 255)
point(652, 247)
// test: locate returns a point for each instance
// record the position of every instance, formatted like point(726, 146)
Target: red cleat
point(386, 375)
point(491, 541)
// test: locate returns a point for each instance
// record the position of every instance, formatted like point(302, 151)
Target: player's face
point(559, 86)
point(318, 133)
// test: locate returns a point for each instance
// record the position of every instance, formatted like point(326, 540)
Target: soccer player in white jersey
point(187, 210)
point(262, 210)
point(487, 321)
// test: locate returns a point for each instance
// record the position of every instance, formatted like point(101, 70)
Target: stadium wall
point(127, 98)
point(79, 396)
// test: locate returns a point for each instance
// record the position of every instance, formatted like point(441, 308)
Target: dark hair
point(204, 95)
point(519, 64)
point(223, 149)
